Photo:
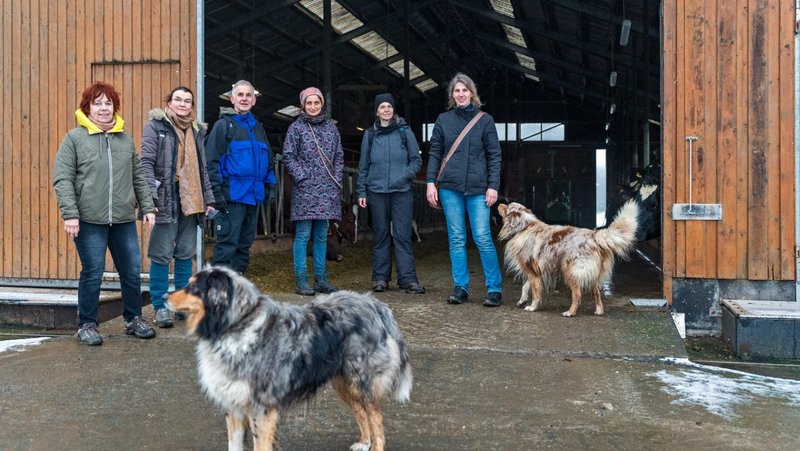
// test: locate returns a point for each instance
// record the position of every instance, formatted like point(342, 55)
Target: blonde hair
point(470, 85)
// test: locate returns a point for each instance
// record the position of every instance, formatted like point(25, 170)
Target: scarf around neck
point(316, 120)
point(187, 172)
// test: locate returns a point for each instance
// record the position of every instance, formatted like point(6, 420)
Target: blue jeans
point(303, 231)
point(455, 206)
point(123, 242)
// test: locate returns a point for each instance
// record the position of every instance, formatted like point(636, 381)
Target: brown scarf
point(188, 167)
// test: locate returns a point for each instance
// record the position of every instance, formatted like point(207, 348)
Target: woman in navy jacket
point(468, 185)
point(386, 170)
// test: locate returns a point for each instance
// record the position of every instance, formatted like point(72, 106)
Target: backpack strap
point(371, 137)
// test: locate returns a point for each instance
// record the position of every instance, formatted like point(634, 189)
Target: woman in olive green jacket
point(99, 183)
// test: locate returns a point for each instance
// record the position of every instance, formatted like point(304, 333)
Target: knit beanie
point(380, 98)
point(312, 91)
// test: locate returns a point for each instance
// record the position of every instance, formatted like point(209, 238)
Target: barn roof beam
point(604, 15)
point(598, 49)
point(575, 90)
point(247, 19)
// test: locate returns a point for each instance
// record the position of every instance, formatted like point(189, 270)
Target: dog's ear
point(502, 210)
point(217, 296)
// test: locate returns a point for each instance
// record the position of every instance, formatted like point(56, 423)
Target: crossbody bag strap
point(326, 162)
point(458, 142)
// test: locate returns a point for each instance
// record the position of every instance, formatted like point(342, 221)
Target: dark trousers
point(235, 231)
point(123, 242)
point(391, 215)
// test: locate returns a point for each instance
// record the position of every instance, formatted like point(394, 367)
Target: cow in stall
point(338, 231)
point(644, 188)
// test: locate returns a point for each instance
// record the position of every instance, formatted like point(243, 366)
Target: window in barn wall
point(600, 187)
point(547, 131)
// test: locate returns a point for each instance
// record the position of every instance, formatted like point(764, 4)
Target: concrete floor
point(485, 379)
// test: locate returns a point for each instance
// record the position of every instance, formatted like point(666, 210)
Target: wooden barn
point(704, 91)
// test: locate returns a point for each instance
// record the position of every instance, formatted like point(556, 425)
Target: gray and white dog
point(256, 356)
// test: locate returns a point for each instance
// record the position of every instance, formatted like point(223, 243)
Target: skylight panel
point(370, 42)
point(341, 19)
point(503, 7)
point(426, 85)
point(514, 36)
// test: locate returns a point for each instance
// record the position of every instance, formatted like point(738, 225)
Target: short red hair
point(98, 89)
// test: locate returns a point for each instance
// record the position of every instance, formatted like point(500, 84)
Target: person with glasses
point(174, 162)
point(99, 183)
point(240, 171)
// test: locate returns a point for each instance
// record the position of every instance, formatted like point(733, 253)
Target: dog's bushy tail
point(403, 384)
point(620, 236)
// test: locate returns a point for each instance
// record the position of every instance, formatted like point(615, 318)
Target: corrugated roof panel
point(503, 7)
point(341, 19)
point(514, 35)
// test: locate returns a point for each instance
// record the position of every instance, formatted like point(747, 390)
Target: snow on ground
point(721, 390)
point(21, 344)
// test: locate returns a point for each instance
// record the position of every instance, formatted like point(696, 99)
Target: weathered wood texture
point(49, 52)
point(729, 80)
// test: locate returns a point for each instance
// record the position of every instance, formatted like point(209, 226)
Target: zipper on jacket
point(110, 179)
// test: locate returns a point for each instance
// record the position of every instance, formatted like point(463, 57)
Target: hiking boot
point(459, 296)
point(303, 288)
point(138, 326)
point(412, 287)
point(380, 286)
point(323, 286)
point(164, 318)
point(87, 335)
point(493, 299)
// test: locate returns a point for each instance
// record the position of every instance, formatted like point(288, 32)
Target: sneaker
point(87, 335)
point(412, 287)
point(164, 318)
point(493, 299)
point(323, 286)
point(459, 296)
point(380, 286)
point(303, 288)
point(138, 326)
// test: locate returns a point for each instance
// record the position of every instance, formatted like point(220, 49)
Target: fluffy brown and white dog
point(256, 356)
point(582, 258)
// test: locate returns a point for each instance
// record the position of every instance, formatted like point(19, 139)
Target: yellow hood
point(83, 120)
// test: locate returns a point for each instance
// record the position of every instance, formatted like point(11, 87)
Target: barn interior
point(573, 85)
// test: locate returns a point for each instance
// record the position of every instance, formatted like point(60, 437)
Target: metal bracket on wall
point(693, 211)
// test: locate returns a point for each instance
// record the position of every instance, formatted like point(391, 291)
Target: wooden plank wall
point(49, 52)
point(729, 79)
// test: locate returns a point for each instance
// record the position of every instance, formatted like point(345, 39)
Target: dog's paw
point(599, 312)
point(567, 314)
point(522, 302)
point(360, 446)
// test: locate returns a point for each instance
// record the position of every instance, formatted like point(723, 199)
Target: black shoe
point(459, 296)
point(493, 299)
point(412, 287)
point(380, 286)
point(138, 326)
point(323, 286)
point(303, 288)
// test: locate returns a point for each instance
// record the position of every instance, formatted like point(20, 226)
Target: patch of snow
point(18, 345)
point(721, 390)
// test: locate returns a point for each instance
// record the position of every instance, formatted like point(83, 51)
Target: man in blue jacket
point(240, 171)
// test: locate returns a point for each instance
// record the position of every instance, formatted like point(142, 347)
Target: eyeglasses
point(185, 101)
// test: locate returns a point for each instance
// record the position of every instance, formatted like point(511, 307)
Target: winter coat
point(159, 160)
point(98, 177)
point(475, 165)
point(388, 165)
point(239, 160)
point(315, 194)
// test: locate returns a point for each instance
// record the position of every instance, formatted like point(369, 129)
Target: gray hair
point(462, 78)
point(243, 83)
